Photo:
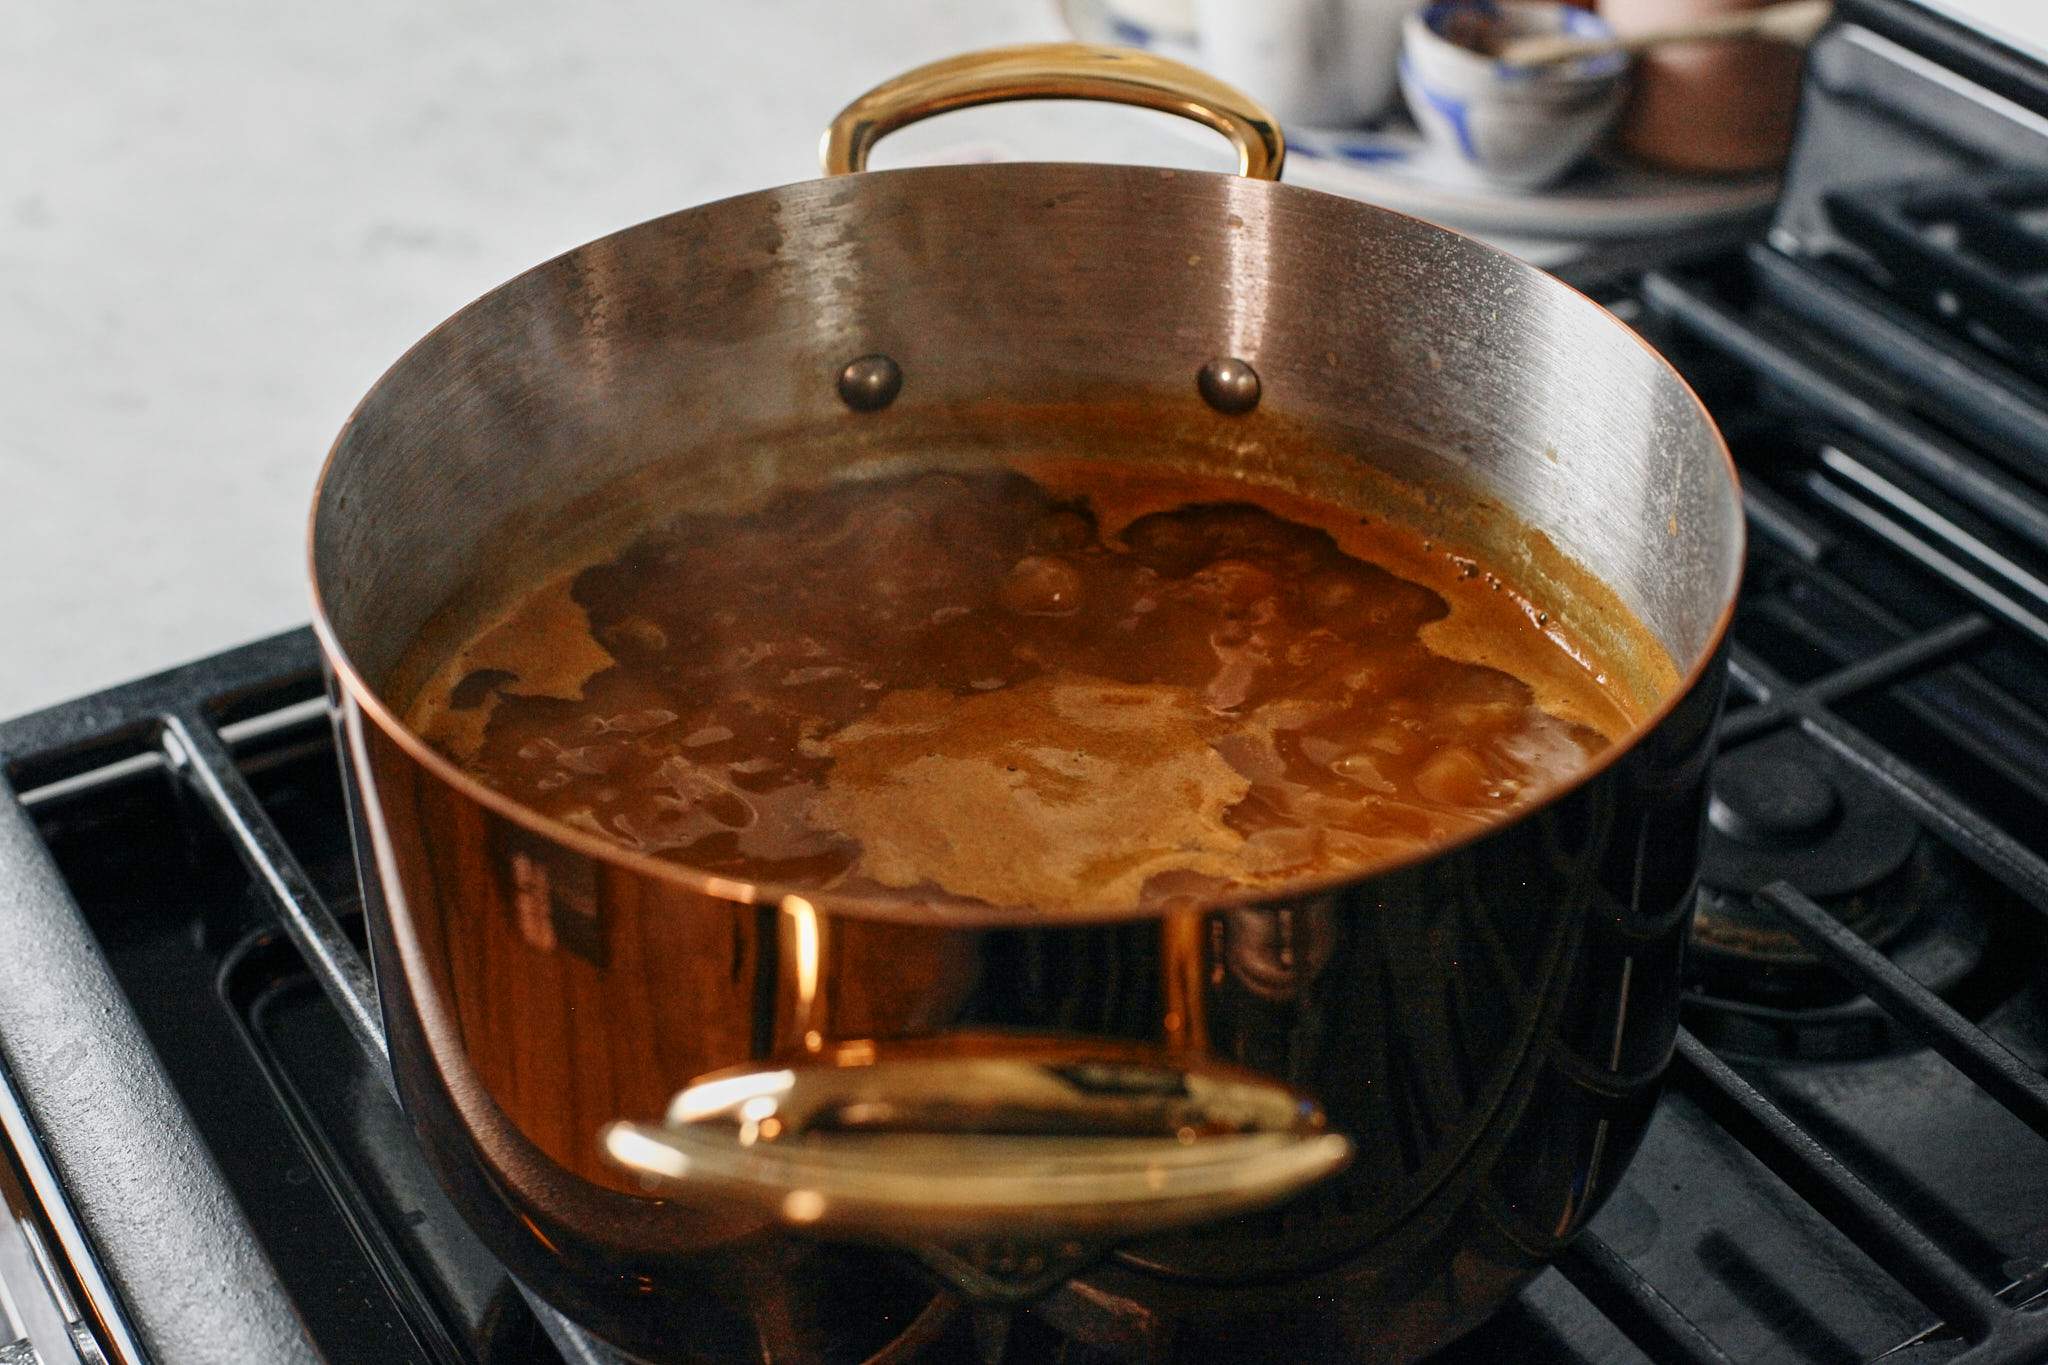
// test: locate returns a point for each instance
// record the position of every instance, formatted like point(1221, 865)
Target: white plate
point(1390, 165)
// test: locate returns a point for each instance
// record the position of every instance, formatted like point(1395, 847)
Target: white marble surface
point(220, 220)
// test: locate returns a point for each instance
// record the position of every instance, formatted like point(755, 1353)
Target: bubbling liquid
point(1083, 696)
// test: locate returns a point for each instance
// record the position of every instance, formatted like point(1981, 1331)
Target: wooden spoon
point(1795, 22)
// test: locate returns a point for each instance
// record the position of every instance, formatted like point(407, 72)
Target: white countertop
point(220, 221)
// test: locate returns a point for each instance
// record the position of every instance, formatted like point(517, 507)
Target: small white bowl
point(1518, 127)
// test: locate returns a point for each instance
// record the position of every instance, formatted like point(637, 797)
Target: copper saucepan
point(1349, 1120)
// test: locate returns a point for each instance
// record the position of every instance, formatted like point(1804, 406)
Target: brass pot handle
point(1075, 71)
point(968, 1140)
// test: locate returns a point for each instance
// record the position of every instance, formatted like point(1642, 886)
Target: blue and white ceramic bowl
point(1518, 127)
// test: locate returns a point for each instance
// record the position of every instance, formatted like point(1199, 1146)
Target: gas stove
point(203, 1160)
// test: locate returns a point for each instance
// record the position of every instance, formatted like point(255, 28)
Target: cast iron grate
point(1970, 254)
point(209, 733)
point(1961, 600)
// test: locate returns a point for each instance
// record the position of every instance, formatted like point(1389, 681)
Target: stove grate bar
point(1785, 526)
point(1962, 475)
point(1898, 1246)
point(182, 715)
point(1887, 667)
point(147, 1224)
point(1621, 1292)
point(1928, 557)
point(1999, 401)
point(75, 737)
point(1969, 833)
point(2006, 1078)
point(1959, 539)
point(1956, 700)
point(186, 711)
point(198, 754)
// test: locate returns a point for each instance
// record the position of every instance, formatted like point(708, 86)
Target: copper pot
point(1347, 1120)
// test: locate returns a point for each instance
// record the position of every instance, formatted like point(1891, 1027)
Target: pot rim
point(961, 913)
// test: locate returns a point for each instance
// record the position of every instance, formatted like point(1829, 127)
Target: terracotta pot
point(1721, 107)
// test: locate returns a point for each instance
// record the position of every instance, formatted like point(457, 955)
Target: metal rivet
point(870, 383)
point(1229, 385)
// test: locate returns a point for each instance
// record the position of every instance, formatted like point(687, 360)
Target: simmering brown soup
point(1090, 691)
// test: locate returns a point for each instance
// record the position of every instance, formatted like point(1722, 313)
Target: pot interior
point(691, 363)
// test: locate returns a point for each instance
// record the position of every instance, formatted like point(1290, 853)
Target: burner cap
point(1782, 808)
point(1768, 801)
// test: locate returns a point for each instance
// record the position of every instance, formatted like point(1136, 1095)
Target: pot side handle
point(972, 1136)
point(1078, 71)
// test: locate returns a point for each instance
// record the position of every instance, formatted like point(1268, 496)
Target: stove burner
point(1784, 809)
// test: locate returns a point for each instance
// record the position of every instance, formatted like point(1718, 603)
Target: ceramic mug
point(1518, 127)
